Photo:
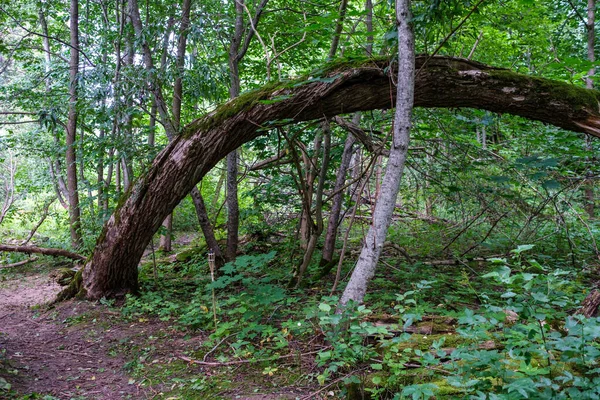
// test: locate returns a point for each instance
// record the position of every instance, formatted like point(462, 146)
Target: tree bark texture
point(442, 82)
point(373, 242)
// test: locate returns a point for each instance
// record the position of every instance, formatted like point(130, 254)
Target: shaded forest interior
point(202, 182)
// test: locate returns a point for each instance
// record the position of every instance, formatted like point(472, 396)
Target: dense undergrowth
point(504, 328)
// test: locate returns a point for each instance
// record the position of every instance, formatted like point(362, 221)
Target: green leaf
point(324, 307)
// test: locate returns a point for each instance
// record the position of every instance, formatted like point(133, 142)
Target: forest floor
point(82, 350)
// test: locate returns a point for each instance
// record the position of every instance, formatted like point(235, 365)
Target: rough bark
point(74, 210)
point(373, 243)
point(443, 82)
point(589, 307)
point(41, 250)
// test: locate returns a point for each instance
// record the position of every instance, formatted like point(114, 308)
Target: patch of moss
point(579, 97)
point(74, 289)
point(188, 254)
point(242, 103)
point(424, 342)
point(249, 99)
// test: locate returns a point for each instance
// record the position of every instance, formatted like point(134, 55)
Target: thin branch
point(577, 12)
point(44, 36)
point(19, 122)
point(40, 222)
point(20, 263)
point(16, 113)
point(253, 24)
point(449, 36)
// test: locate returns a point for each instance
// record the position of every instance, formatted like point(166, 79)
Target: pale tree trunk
point(373, 244)
point(589, 83)
point(71, 158)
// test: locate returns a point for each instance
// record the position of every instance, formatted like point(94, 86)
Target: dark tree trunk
point(336, 202)
point(442, 82)
point(589, 83)
point(206, 226)
point(74, 210)
point(233, 209)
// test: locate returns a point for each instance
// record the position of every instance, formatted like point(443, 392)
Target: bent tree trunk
point(441, 82)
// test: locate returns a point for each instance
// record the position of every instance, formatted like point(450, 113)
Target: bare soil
point(81, 350)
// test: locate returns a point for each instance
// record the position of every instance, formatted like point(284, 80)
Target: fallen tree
point(341, 88)
point(41, 250)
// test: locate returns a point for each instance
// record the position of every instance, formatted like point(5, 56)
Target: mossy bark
point(441, 82)
point(74, 289)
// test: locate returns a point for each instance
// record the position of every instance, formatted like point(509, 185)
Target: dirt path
point(45, 356)
point(85, 351)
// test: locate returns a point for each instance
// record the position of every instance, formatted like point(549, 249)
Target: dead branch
point(18, 264)
point(40, 250)
point(40, 222)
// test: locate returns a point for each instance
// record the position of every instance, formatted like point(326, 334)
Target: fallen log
point(589, 307)
point(18, 264)
point(40, 250)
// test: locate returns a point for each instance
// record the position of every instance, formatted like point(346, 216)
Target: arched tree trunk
point(441, 82)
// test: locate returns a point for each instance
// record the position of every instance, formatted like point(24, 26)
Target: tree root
point(75, 289)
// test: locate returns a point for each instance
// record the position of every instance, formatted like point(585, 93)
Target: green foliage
point(541, 352)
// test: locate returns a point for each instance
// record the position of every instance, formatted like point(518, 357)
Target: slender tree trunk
point(369, 26)
point(373, 244)
point(206, 226)
point(233, 209)
point(55, 165)
point(237, 50)
point(591, 36)
point(74, 210)
point(338, 30)
point(165, 240)
point(317, 226)
point(336, 202)
point(233, 212)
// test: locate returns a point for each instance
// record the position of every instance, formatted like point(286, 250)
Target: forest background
point(92, 91)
